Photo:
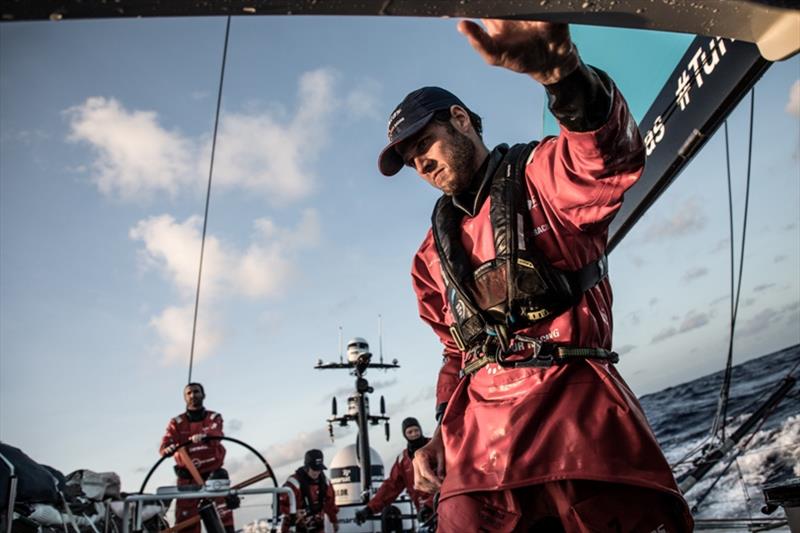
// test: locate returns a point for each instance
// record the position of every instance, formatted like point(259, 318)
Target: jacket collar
point(471, 200)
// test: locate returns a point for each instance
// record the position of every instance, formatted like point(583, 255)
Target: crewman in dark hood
point(401, 477)
point(195, 425)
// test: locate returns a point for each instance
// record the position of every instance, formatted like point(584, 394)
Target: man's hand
point(429, 464)
point(335, 527)
point(169, 450)
point(542, 50)
point(197, 438)
point(362, 515)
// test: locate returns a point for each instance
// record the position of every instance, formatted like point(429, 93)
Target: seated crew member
point(195, 425)
point(314, 496)
point(538, 431)
point(401, 477)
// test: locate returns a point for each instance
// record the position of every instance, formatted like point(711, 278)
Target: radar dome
point(356, 347)
point(345, 474)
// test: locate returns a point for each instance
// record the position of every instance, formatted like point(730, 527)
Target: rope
point(718, 427)
point(208, 197)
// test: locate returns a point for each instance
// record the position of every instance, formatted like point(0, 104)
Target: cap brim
point(390, 162)
point(315, 467)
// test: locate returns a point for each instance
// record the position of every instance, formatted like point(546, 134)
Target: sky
point(105, 132)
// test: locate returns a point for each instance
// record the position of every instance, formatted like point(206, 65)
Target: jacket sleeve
point(389, 489)
point(331, 510)
point(170, 437)
point(215, 429)
point(581, 175)
point(433, 311)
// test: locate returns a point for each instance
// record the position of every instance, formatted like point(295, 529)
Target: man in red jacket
point(401, 477)
point(314, 496)
point(538, 431)
point(195, 425)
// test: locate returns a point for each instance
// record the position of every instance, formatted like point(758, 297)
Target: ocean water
point(681, 418)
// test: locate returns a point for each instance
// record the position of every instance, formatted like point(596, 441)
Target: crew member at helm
point(195, 425)
point(401, 478)
point(314, 496)
point(538, 431)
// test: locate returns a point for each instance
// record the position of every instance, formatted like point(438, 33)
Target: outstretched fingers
point(481, 41)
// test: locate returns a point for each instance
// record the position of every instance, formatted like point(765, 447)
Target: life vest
point(312, 505)
point(517, 288)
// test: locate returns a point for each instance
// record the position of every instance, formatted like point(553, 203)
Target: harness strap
point(548, 356)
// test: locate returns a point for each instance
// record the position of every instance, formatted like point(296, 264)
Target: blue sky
point(104, 137)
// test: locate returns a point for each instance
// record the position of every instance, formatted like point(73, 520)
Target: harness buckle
point(541, 356)
point(457, 338)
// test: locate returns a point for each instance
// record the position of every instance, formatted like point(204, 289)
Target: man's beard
point(462, 160)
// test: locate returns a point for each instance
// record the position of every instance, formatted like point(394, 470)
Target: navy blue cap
point(313, 460)
point(414, 113)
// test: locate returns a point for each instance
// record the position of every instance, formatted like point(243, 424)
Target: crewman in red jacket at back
point(314, 496)
point(401, 478)
point(195, 425)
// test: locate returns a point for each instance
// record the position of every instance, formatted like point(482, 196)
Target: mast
point(359, 360)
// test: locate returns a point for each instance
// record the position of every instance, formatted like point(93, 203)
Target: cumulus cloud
point(694, 273)
point(424, 394)
point(269, 152)
point(263, 269)
point(686, 220)
point(364, 100)
point(625, 348)
point(291, 451)
point(758, 323)
point(346, 391)
point(174, 329)
point(288, 454)
point(693, 320)
point(233, 426)
point(793, 104)
point(664, 334)
point(723, 298)
point(721, 244)
point(174, 248)
point(779, 258)
point(136, 156)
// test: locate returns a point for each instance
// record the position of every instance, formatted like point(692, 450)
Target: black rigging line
point(718, 428)
point(208, 196)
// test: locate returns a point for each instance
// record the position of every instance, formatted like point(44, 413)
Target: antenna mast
point(380, 337)
point(341, 359)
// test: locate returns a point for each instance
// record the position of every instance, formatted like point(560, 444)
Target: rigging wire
point(718, 427)
point(741, 447)
point(208, 196)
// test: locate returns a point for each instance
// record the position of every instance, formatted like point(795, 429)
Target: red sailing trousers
point(567, 506)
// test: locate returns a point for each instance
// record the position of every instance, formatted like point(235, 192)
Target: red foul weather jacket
point(307, 496)
point(206, 456)
point(505, 428)
point(401, 477)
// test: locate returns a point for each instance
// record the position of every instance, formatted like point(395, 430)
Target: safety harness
point(313, 507)
point(517, 288)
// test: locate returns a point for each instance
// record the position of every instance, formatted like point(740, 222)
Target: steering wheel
point(268, 472)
